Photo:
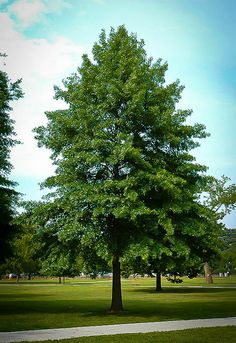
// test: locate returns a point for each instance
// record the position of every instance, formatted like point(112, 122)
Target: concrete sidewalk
point(52, 334)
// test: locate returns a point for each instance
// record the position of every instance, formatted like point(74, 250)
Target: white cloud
point(27, 11)
point(56, 6)
point(3, 2)
point(40, 64)
point(31, 11)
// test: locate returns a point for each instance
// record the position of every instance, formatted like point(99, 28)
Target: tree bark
point(116, 303)
point(158, 282)
point(208, 274)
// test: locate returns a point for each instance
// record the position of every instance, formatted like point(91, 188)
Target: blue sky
point(44, 41)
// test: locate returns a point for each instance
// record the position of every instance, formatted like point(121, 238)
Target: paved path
point(52, 334)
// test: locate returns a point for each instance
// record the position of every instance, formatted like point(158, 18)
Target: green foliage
point(121, 149)
point(183, 255)
point(25, 258)
point(8, 92)
point(124, 172)
point(197, 239)
point(59, 256)
point(220, 199)
point(227, 259)
point(220, 196)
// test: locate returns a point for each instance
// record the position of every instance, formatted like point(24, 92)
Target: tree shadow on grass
point(138, 311)
point(52, 306)
point(10, 296)
point(99, 307)
point(182, 290)
point(36, 314)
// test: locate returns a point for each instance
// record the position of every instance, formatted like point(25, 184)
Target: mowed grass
point(207, 335)
point(39, 305)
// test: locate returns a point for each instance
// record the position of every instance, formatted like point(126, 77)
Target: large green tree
point(9, 91)
point(121, 151)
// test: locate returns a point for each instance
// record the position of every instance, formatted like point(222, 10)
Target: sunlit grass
point(32, 305)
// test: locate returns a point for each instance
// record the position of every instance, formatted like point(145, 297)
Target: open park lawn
point(40, 304)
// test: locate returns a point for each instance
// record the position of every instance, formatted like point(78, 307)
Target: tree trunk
point(17, 278)
point(208, 274)
point(59, 279)
point(158, 282)
point(116, 304)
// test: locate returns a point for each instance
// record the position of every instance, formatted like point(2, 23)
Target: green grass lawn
point(46, 304)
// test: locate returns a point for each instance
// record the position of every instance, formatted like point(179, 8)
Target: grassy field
point(41, 304)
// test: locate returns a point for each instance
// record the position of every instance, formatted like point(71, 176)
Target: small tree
point(25, 257)
point(121, 151)
point(220, 196)
point(58, 263)
point(220, 199)
point(227, 261)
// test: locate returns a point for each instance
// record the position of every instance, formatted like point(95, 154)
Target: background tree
point(220, 196)
point(183, 255)
point(58, 263)
point(121, 151)
point(59, 256)
point(229, 255)
point(52, 256)
point(8, 92)
point(65, 260)
point(220, 199)
point(25, 257)
point(227, 261)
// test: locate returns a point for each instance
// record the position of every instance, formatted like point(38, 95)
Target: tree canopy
point(124, 172)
